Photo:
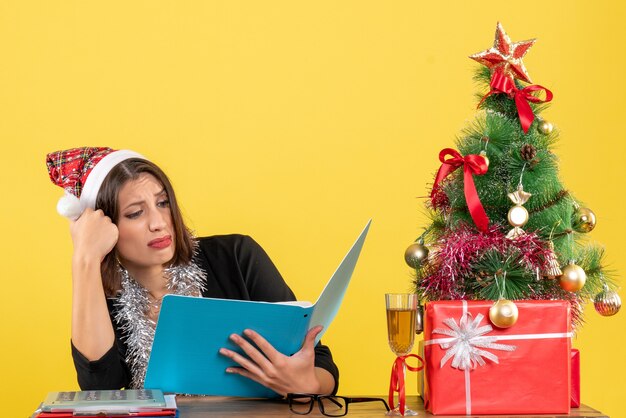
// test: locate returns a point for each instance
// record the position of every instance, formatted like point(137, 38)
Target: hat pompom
point(69, 206)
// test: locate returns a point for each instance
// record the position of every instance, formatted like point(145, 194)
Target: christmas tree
point(504, 227)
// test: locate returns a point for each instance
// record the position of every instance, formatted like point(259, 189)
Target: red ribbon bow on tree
point(397, 379)
point(472, 164)
point(500, 83)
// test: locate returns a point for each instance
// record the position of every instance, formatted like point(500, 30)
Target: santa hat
point(81, 171)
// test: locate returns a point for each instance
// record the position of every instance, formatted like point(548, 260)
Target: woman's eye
point(134, 215)
point(163, 203)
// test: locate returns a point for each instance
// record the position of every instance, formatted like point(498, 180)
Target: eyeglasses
point(331, 406)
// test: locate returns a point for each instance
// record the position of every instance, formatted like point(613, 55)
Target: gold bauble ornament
point(484, 155)
point(503, 313)
point(584, 220)
point(416, 254)
point(544, 127)
point(573, 278)
point(607, 302)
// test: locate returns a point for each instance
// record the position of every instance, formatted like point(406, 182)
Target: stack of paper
point(108, 403)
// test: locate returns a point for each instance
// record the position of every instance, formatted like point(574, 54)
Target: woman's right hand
point(93, 234)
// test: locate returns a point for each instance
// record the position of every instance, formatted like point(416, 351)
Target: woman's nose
point(157, 220)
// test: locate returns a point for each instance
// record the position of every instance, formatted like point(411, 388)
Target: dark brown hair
point(108, 201)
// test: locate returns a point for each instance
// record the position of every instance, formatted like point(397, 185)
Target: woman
point(131, 248)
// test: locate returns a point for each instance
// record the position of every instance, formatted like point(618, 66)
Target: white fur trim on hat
point(71, 207)
point(98, 174)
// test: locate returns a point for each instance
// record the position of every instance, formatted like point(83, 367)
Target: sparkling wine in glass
point(401, 313)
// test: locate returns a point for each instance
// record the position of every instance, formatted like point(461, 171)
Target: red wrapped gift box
point(472, 367)
point(575, 378)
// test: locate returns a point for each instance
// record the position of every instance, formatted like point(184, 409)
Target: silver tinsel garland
point(132, 315)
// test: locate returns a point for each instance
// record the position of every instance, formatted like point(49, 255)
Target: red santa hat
point(81, 171)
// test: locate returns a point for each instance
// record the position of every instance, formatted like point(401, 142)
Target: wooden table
point(196, 407)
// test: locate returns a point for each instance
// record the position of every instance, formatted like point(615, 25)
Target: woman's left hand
point(283, 374)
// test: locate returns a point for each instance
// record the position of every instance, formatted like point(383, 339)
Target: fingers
point(268, 354)
point(260, 379)
point(94, 234)
point(242, 361)
point(257, 367)
point(268, 349)
point(262, 363)
point(87, 212)
point(89, 216)
point(75, 220)
point(264, 358)
point(309, 339)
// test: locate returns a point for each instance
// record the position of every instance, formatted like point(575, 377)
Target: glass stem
point(403, 380)
point(403, 384)
point(404, 372)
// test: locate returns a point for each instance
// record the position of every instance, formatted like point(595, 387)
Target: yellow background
point(293, 122)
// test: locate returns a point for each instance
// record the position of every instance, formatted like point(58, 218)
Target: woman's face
point(146, 236)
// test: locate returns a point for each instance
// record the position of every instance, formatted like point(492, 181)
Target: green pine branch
point(501, 276)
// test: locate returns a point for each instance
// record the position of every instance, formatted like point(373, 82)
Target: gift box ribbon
point(467, 344)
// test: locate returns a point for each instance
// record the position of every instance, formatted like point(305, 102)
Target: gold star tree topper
point(506, 56)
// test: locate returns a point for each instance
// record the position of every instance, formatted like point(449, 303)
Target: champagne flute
point(401, 312)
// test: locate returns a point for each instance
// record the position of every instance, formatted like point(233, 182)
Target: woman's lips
point(160, 243)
